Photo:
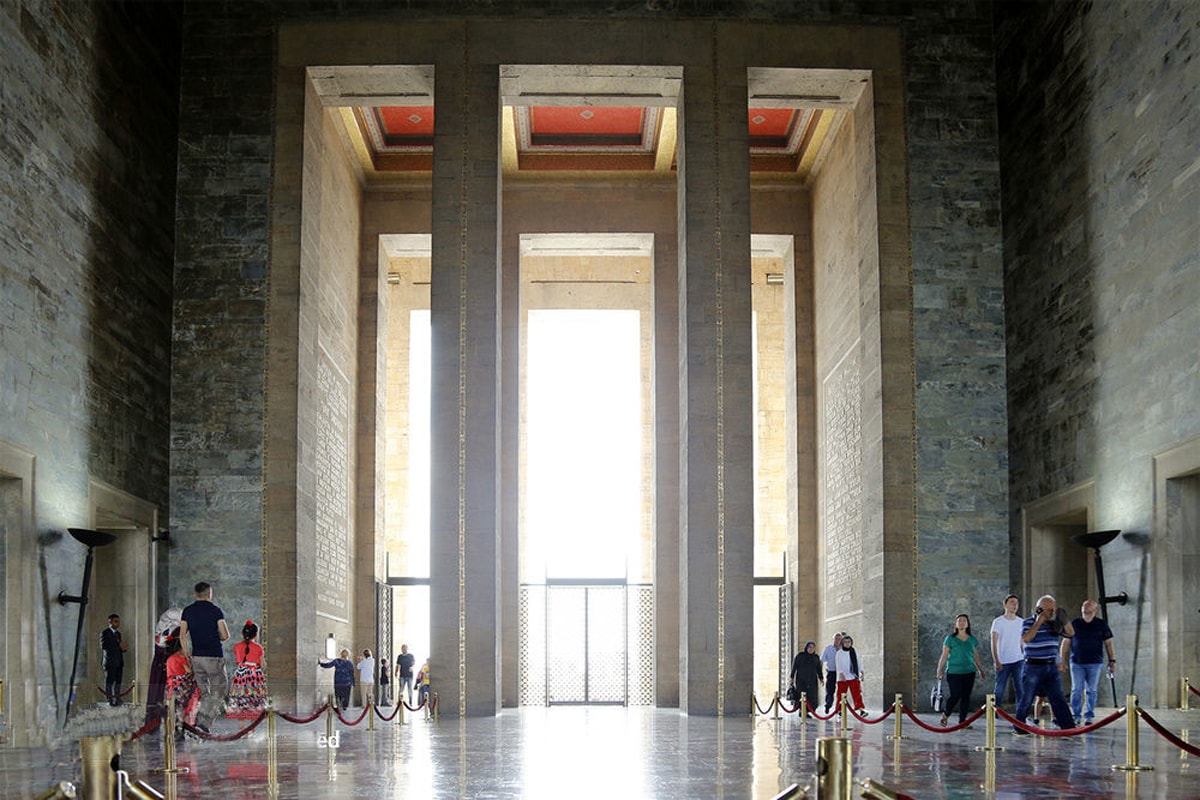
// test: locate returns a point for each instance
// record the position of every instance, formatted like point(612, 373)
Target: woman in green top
point(959, 664)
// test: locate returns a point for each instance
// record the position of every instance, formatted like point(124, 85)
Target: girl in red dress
point(181, 684)
point(248, 689)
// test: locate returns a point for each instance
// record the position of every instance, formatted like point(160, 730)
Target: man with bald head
point(1041, 634)
point(1087, 658)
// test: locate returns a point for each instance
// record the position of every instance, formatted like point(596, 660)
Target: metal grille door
point(585, 644)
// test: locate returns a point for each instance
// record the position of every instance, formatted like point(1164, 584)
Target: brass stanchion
point(329, 712)
point(845, 709)
point(877, 791)
point(437, 708)
point(135, 790)
point(370, 716)
point(1131, 738)
point(272, 751)
point(897, 707)
point(400, 711)
point(991, 746)
point(989, 775)
point(63, 790)
point(775, 706)
point(170, 770)
point(1184, 691)
point(100, 754)
point(834, 768)
point(804, 708)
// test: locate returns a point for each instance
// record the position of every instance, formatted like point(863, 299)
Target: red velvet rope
point(1020, 724)
point(345, 721)
point(232, 737)
point(822, 717)
point(1166, 734)
point(1194, 690)
point(147, 728)
point(783, 707)
point(760, 708)
point(118, 694)
point(908, 712)
point(868, 720)
point(389, 718)
point(417, 707)
point(304, 720)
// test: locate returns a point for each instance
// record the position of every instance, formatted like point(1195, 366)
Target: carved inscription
point(332, 464)
point(841, 486)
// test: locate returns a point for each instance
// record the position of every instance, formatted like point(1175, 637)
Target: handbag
point(937, 699)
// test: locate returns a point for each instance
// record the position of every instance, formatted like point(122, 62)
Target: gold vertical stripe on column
point(462, 375)
point(720, 378)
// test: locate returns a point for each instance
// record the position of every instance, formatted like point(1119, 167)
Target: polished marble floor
point(625, 754)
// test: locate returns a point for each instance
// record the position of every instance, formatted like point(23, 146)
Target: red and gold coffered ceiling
point(591, 139)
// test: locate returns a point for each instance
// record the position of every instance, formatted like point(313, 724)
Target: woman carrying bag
point(959, 664)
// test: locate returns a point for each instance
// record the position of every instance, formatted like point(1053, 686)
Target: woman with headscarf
point(807, 673)
point(849, 674)
point(166, 627)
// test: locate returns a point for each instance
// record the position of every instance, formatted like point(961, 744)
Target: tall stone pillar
point(716, 570)
point(464, 513)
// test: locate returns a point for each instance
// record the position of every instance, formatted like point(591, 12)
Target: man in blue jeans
point(202, 632)
point(1042, 633)
point(1092, 638)
point(1008, 652)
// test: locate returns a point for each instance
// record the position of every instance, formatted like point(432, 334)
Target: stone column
point(715, 403)
point(465, 564)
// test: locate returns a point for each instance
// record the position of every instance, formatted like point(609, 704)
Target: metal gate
point(587, 643)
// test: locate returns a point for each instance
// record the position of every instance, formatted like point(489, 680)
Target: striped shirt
point(1044, 644)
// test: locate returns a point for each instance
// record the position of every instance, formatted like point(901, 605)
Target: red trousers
point(855, 693)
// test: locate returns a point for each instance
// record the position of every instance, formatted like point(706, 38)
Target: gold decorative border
point(462, 375)
point(720, 377)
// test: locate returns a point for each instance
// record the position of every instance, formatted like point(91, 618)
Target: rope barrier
point(869, 721)
point(304, 720)
point(345, 721)
point(118, 694)
point(1157, 727)
point(388, 718)
point(823, 718)
point(754, 698)
point(1022, 725)
point(150, 726)
point(784, 708)
point(937, 728)
point(417, 707)
point(231, 737)
point(1193, 690)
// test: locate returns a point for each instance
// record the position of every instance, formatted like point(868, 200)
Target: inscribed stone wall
point(840, 368)
point(335, 223)
point(332, 497)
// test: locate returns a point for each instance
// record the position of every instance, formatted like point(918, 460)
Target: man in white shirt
point(1008, 652)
